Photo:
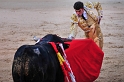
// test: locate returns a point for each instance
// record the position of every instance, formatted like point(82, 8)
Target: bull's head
point(54, 38)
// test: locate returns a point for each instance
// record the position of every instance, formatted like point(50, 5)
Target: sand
point(20, 20)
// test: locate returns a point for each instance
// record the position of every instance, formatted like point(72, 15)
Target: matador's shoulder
point(94, 5)
point(74, 18)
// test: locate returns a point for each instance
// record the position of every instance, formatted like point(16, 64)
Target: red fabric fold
point(85, 59)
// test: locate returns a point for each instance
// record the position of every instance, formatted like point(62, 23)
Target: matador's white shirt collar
point(85, 14)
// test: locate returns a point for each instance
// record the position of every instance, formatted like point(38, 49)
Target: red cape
point(85, 59)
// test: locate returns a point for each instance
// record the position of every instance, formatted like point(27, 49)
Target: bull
point(39, 62)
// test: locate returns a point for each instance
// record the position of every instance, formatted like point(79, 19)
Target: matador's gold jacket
point(90, 25)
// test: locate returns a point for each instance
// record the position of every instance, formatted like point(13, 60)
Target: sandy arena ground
point(20, 20)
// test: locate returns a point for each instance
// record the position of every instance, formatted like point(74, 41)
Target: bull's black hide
point(38, 63)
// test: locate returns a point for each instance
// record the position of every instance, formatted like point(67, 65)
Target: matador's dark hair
point(78, 5)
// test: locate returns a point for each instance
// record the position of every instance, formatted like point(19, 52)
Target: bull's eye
point(37, 51)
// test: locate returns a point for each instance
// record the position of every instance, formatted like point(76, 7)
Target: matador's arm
point(73, 27)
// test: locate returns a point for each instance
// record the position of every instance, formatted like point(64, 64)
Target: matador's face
point(79, 12)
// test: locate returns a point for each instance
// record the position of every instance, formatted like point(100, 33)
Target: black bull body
point(39, 62)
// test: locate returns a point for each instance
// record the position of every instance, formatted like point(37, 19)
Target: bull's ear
point(65, 45)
